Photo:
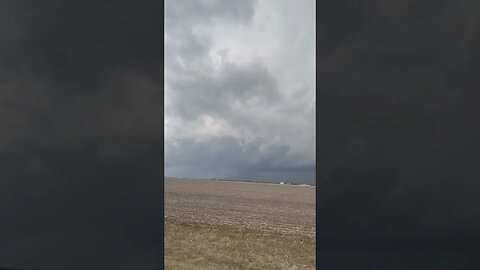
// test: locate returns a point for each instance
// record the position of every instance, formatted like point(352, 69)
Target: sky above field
point(240, 89)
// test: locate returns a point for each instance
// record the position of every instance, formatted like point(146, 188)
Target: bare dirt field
point(238, 225)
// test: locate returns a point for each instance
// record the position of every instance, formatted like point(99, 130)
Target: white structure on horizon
point(282, 183)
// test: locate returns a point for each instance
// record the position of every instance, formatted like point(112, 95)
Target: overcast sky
point(240, 89)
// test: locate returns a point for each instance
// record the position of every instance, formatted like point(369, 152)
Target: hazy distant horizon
point(286, 180)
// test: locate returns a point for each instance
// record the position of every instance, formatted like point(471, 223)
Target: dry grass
point(234, 225)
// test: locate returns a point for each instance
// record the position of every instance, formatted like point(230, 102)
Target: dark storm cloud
point(197, 93)
point(230, 159)
point(228, 96)
point(244, 89)
point(81, 144)
point(397, 134)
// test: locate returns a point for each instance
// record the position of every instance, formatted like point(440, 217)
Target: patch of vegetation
point(188, 246)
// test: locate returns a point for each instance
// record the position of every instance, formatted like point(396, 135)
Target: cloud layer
point(239, 90)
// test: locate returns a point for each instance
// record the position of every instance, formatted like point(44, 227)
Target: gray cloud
point(229, 98)
point(190, 12)
point(188, 158)
point(196, 94)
